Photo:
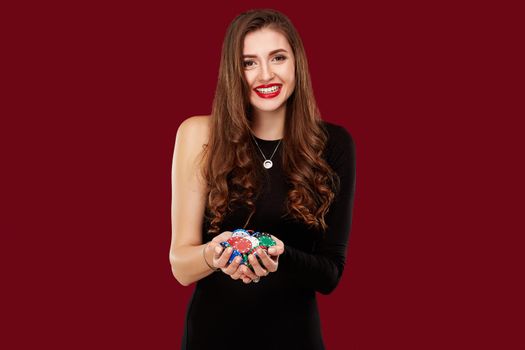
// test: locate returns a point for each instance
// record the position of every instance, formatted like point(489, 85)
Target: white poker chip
point(255, 241)
point(240, 233)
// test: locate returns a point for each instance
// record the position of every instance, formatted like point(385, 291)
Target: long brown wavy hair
point(231, 174)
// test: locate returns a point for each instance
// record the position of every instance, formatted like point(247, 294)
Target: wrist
point(207, 254)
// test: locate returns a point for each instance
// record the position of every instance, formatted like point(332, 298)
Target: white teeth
point(269, 90)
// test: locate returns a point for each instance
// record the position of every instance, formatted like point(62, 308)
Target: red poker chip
point(243, 245)
point(233, 240)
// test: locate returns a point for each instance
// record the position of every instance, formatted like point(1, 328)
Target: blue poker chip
point(235, 254)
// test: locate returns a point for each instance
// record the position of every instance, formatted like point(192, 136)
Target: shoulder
point(340, 153)
point(196, 124)
point(340, 141)
point(195, 129)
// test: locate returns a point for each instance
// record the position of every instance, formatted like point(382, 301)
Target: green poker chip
point(266, 241)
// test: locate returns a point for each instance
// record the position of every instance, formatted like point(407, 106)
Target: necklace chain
point(267, 162)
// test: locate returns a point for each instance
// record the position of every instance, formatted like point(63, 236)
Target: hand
point(214, 246)
point(221, 256)
point(270, 261)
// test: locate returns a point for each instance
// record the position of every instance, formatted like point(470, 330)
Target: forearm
point(188, 265)
point(314, 271)
point(322, 267)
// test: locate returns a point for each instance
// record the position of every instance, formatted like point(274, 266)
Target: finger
point(259, 270)
point(248, 273)
point(233, 269)
point(225, 257)
point(217, 251)
point(277, 240)
point(244, 277)
point(221, 260)
point(268, 263)
point(227, 235)
point(277, 249)
point(222, 237)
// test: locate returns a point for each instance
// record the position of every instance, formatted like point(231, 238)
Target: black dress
point(279, 312)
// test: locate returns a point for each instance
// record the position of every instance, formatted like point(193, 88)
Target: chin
point(269, 106)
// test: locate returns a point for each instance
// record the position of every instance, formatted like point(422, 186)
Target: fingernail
point(218, 249)
point(271, 250)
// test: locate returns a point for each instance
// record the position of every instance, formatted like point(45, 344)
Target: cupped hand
point(221, 256)
point(270, 261)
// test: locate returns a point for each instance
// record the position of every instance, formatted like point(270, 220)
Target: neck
point(269, 125)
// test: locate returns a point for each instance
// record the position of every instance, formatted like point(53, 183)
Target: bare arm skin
point(187, 211)
point(188, 203)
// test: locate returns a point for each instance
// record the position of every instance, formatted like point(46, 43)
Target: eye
point(249, 63)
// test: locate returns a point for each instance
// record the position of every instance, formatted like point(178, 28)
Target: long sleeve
point(322, 269)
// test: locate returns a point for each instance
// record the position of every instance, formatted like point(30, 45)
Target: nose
point(266, 73)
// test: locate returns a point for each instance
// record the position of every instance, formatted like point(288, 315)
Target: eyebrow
point(271, 53)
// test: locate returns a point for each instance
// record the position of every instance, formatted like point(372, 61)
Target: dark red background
point(93, 93)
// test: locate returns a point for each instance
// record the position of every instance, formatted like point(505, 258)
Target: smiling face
point(269, 69)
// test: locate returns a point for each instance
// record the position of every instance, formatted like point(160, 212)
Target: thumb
point(276, 250)
point(217, 251)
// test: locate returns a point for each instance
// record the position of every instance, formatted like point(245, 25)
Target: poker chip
point(232, 240)
point(246, 242)
point(240, 233)
point(266, 241)
point(242, 244)
point(255, 241)
point(234, 254)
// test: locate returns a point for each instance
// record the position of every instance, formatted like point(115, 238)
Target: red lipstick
point(268, 94)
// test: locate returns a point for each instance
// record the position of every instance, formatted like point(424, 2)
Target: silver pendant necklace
point(267, 162)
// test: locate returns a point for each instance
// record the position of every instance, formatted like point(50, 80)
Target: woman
point(263, 160)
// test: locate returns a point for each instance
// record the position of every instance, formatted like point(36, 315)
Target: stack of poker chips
point(245, 242)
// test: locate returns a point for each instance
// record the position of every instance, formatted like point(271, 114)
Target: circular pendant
point(267, 164)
